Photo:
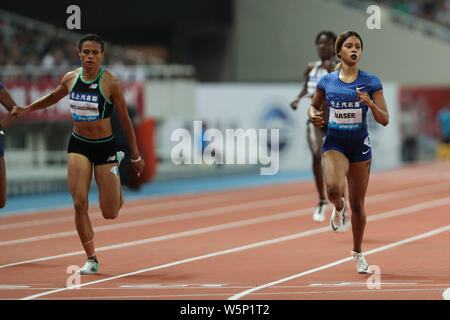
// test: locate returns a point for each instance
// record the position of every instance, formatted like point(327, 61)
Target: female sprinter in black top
point(93, 93)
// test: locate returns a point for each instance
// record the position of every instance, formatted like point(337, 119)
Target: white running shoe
point(361, 263)
point(340, 222)
point(119, 156)
point(90, 267)
point(319, 213)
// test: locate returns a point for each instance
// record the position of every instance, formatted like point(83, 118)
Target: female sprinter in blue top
point(93, 92)
point(8, 103)
point(349, 93)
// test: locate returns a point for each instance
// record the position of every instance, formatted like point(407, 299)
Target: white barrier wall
point(261, 106)
point(169, 98)
point(273, 40)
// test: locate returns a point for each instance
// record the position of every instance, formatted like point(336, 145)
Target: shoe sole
point(363, 272)
point(87, 272)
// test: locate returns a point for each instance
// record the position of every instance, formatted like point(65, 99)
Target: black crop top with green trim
point(86, 99)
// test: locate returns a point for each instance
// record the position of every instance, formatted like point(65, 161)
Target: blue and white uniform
point(313, 77)
point(347, 123)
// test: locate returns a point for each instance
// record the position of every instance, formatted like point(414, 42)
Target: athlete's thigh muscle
point(79, 175)
point(335, 167)
point(358, 180)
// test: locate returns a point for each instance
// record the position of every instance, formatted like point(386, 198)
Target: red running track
point(250, 243)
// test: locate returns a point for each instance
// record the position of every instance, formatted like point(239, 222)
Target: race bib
point(84, 106)
point(345, 119)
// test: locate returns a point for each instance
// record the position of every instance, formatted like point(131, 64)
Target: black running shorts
point(98, 151)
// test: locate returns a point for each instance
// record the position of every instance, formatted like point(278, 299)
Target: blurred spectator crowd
point(26, 46)
point(437, 11)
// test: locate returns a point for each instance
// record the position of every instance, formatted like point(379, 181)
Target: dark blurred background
point(187, 32)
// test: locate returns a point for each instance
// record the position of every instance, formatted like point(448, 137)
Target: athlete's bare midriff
point(93, 129)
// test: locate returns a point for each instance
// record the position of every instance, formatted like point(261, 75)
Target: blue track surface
point(23, 204)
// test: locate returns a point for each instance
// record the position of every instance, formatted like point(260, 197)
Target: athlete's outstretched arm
point(8, 102)
point(302, 93)
point(315, 111)
point(377, 105)
point(50, 99)
point(118, 99)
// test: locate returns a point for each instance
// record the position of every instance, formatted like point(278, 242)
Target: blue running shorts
point(354, 148)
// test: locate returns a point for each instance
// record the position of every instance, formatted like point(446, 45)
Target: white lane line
point(240, 223)
point(172, 285)
point(184, 287)
point(283, 215)
point(176, 217)
point(362, 284)
point(218, 295)
point(225, 209)
point(206, 256)
point(147, 208)
point(33, 223)
point(442, 174)
point(213, 197)
point(382, 248)
point(13, 286)
point(246, 247)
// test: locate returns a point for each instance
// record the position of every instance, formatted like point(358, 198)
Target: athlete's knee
point(317, 158)
point(357, 207)
point(80, 204)
point(110, 214)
